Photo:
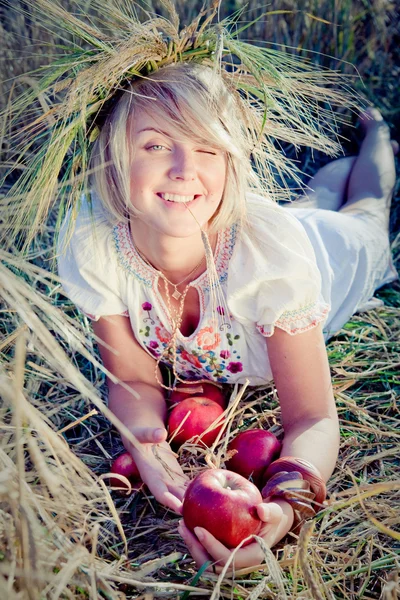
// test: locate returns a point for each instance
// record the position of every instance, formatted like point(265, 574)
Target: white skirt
point(354, 258)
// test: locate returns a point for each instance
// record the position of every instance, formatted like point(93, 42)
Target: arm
point(309, 417)
point(144, 407)
point(140, 404)
point(302, 377)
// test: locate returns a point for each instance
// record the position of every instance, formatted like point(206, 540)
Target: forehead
point(147, 121)
point(144, 121)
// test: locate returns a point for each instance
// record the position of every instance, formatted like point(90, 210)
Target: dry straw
point(63, 535)
point(283, 98)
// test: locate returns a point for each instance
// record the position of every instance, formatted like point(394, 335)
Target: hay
point(64, 535)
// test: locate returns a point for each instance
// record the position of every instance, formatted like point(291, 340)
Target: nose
point(183, 165)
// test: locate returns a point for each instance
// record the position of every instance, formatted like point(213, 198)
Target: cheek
point(140, 176)
point(218, 180)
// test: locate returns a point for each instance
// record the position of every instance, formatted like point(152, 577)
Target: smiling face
point(170, 174)
point(195, 144)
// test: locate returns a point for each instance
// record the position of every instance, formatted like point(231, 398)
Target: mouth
point(177, 198)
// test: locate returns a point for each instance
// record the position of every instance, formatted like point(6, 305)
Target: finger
point(177, 491)
point(247, 556)
point(215, 548)
point(178, 484)
point(211, 549)
point(171, 501)
point(199, 554)
point(151, 435)
point(270, 512)
point(162, 494)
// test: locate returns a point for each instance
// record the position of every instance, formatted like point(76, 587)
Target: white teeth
point(176, 198)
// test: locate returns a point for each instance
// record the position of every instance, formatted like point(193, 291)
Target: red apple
point(206, 390)
point(126, 466)
point(224, 503)
point(256, 449)
point(203, 413)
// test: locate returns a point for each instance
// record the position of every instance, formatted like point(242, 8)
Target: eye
point(208, 151)
point(156, 147)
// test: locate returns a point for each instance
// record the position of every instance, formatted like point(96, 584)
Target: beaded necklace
point(176, 318)
point(217, 300)
point(176, 294)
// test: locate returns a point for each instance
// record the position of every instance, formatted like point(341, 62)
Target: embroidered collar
point(132, 263)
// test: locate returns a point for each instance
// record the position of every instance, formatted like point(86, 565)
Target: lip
point(178, 205)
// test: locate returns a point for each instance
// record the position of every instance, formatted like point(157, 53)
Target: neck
point(175, 257)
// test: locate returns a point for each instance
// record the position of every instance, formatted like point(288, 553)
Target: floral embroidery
point(201, 355)
point(305, 312)
point(152, 348)
point(205, 360)
point(224, 252)
point(190, 358)
point(208, 362)
point(130, 260)
point(231, 339)
point(297, 321)
point(147, 308)
point(207, 339)
point(162, 334)
point(128, 257)
point(235, 367)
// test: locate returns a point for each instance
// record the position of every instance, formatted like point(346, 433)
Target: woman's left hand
point(277, 520)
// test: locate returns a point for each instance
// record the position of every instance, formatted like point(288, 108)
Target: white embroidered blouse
point(269, 277)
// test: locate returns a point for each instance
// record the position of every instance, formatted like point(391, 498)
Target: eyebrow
point(155, 130)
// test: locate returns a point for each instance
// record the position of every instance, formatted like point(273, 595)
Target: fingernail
point(199, 534)
point(158, 434)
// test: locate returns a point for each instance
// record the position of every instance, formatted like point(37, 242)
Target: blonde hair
point(197, 102)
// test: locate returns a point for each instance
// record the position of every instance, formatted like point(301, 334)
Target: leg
point(327, 189)
point(345, 181)
point(372, 178)
point(330, 182)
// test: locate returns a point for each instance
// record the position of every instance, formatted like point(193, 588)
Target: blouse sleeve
point(273, 278)
point(88, 267)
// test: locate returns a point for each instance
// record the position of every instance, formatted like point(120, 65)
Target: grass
point(62, 535)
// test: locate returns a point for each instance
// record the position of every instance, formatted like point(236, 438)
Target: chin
point(186, 227)
point(179, 233)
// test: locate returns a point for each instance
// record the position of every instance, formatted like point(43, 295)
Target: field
point(63, 534)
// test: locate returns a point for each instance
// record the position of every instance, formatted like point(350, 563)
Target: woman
point(180, 257)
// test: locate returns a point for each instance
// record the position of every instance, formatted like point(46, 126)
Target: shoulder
point(273, 275)
point(87, 260)
point(86, 230)
point(86, 243)
point(271, 239)
point(269, 223)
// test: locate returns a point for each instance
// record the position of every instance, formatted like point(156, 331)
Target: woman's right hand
point(138, 401)
point(159, 467)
